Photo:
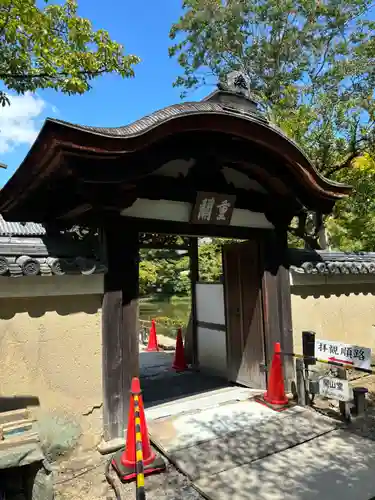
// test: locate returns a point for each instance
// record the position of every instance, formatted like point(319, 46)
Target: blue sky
point(142, 26)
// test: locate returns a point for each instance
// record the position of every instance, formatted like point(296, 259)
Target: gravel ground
point(365, 425)
point(82, 475)
point(84, 479)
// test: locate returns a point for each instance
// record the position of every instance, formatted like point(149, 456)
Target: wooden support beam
point(120, 347)
point(277, 305)
point(188, 229)
point(194, 278)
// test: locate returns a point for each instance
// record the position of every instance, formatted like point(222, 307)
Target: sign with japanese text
point(213, 208)
point(347, 354)
point(335, 388)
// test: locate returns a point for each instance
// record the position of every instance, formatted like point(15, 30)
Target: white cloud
point(20, 122)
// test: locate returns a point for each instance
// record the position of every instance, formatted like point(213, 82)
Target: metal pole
point(140, 493)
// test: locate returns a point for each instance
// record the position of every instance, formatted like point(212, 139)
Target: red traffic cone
point(179, 363)
point(125, 461)
point(275, 394)
point(152, 340)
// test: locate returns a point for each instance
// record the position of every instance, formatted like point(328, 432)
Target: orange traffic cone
point(125, 461)
point(275, 396)
point(179, 363)
point(152, 340)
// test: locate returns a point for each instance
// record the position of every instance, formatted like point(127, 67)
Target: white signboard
point(347, 354)
point(335, 388)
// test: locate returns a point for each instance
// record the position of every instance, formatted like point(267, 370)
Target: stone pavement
point(337, 465)
point(230, 446)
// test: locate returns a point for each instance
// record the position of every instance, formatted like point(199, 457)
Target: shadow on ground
point(161, 384)
point(299, 456)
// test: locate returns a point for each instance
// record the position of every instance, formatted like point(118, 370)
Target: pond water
point(173, 308)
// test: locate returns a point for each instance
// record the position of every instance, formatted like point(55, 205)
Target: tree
point(148, 275)
point(352, 224)
point(165, 271)
point(54, 48)
point(310, 63)
point(210, 261)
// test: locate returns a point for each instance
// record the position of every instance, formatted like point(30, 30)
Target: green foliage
point(170, 324)
point(163, 271)
point(281, 46)
point(312, 66)
point(148, 274)
point(210, 262)
point(167, 272)
point(352, 224)
point(54, 48)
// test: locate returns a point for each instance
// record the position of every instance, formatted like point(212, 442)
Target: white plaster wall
point(180, 212)
point(212, 351)
point(210, 303)
point(211, 342)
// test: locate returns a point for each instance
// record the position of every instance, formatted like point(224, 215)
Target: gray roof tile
point(330, 263)
point(21, 228)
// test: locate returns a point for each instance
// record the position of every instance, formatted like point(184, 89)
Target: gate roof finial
point(236, 82)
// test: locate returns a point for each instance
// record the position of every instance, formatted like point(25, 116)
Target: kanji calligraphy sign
point(213, 208)
point(335, 388)
point(337, 352)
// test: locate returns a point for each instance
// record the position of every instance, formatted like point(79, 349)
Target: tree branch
point(22, 76)
point(346, 164)
point(324, 59)
point(310, 241)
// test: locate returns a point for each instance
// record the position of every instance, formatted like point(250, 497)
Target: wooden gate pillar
point(191, 336)
point(277, 304)
point(120, 342)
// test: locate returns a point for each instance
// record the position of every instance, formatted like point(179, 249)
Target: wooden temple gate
point(172, 173)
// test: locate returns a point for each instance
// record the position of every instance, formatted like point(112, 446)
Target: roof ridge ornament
point(236, 82)
point(234, 94)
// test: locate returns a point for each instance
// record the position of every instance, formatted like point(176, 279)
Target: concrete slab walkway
point(212, 440)
point(201, 401)
point(233, 447)
point(338, 465)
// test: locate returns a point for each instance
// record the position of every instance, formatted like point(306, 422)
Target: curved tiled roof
point(160, 116)
point(149, 121)
point(332, 267)
point(331, 263)
point(25, 265)
point(26, 249)
point(21, 228)
point(223, 112)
